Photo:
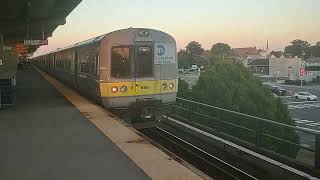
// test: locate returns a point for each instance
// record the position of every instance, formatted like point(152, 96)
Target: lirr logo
point(164, 53)
point(144, 33)
point(161, 50)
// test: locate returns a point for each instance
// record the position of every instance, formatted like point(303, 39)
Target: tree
point(192, 55)
point(277, 54)
point(201, 61)
point(231, 86)
point(212, 58)
point(315, 50)
point(221, 49)
point(185, 59)
point(194, 48)
point(298, 48)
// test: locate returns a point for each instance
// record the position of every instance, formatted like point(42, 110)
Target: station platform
point(46, 136)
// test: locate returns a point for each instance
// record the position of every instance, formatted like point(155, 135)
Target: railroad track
point(202, 160)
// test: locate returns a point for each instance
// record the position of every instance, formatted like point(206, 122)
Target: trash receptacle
point(7, 92)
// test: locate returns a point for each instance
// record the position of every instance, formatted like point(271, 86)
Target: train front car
point(139, 71)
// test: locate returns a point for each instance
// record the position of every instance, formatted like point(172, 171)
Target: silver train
point(131, 68)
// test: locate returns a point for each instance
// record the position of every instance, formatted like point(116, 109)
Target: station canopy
point(32, 21)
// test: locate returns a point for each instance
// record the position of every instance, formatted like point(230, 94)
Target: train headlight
point(171, 85)
point(114, 89)
point(123, 89)
point(164, 86)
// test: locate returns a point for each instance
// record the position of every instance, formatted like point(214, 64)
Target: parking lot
point(305, 113)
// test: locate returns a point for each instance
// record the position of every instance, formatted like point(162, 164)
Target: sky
point(239, 23)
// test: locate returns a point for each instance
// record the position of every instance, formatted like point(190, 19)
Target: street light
point(276, 74)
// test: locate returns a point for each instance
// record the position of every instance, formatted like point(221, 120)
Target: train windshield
point(120, 62)
point(144, 62)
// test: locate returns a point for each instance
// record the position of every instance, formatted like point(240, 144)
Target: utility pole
point(276, 76)
point(302, 72)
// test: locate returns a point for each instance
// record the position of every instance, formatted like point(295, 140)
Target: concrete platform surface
point(45, 137)
point(154, 162)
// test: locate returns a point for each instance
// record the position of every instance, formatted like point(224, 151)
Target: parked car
point(278, 90)
point(305, 96)
point(180, 71)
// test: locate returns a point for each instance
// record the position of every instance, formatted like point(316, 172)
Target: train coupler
point(145, 110)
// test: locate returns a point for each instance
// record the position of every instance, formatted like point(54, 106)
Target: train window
point(144, 62)
point(95, 64)
point(83, 60)
point(57, 63)
point(67, 59)
point(84, 65)
point(92, 62)
point(120, 62)
point(87, 59)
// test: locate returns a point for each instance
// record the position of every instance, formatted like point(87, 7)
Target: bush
point(183, 89)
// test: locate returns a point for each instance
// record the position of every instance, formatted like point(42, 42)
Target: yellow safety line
point(154, 162)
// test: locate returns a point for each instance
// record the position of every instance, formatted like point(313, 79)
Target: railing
point(263, 133)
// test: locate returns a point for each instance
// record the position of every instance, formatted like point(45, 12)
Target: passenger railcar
point(133, 67)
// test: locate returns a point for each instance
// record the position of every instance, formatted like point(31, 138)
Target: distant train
point(132, 68)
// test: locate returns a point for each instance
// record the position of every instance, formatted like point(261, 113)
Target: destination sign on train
point(36, 42)
point(165, 53)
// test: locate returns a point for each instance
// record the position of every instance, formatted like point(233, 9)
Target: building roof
point(258, 62)
point(314, 59)
point(256, 57)
point(244, 52)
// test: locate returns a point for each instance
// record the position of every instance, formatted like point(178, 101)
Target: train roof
point(88, 41)
point(85, 42)
point(92, 40)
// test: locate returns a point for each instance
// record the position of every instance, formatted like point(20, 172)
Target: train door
point(145, 79)
point(76, 69)
point(144, 71)
point(53, 64)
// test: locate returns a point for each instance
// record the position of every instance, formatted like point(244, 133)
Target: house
point(312, 69)
point(285, 67)
point(266, 64)
point(258, 66)
point(258, 63)
point(245, 52)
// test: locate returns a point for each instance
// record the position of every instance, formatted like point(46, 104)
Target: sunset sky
point(240, 23)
